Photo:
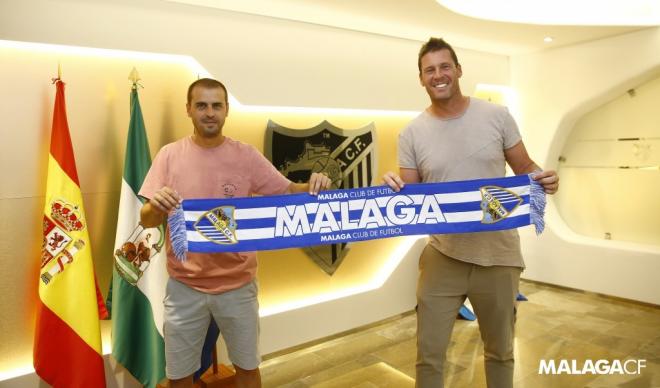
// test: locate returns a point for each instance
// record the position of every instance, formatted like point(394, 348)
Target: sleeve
point(509, 129)
point(407, 157)
point(156, 176)
point(264, 177)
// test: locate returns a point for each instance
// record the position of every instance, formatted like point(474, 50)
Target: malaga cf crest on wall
point(346, 156)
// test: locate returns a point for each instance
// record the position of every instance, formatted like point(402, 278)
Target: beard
point(208, 130)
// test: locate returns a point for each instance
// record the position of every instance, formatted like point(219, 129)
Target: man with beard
point(207, 286)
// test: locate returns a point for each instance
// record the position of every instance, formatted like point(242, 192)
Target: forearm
point(519, 160)
point(530, 167)
point(295, 188)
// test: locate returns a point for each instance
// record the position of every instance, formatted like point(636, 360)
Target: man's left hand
point(318, 181)
point(549, 180)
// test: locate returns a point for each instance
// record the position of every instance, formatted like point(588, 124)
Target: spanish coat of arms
point(59, 245)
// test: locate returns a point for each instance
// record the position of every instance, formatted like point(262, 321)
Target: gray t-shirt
point(470, 146)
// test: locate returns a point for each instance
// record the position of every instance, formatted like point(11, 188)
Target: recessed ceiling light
point(548, 39)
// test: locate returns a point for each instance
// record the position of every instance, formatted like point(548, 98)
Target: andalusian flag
point(67, 340)
point(140, 275)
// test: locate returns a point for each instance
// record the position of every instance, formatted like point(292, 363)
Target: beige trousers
point(443, 285)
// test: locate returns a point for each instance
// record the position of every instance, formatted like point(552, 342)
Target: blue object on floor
point(466, 313)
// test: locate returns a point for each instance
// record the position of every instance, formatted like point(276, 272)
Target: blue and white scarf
point(338, 216)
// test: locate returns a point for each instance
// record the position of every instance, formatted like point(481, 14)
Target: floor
point(555, 323)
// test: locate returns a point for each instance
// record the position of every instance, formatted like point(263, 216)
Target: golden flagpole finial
point(59, 73)
point(134, 77)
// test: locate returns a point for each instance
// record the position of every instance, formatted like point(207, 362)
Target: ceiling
point(418, 20)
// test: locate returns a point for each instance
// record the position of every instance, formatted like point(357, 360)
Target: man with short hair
point(207, 286)
point(461, 138)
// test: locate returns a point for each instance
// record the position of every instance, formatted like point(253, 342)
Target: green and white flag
point(139, 274)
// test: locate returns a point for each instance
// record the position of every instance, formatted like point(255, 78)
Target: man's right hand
point(165, 200)
point(154, 212)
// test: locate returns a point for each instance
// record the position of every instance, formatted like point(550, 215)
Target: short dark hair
point(208, 83)
point(435, 44)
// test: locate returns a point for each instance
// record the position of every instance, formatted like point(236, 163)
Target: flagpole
point(215, 359)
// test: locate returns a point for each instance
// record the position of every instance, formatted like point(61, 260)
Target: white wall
point(610, 186)
point(556, 88)
point(395, 296)
point(263, 61)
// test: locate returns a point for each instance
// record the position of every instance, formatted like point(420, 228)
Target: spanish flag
point(67, 339)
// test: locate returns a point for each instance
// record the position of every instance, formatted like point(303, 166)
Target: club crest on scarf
point(497, 203)
point(59, 244)
point(133, 257)
point(346, 156)
point(218, 225)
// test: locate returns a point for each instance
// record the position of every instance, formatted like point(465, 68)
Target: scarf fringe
point(537, 203)
point(178, 238)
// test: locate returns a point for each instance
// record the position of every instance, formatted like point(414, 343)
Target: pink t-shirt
point(232, 169)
